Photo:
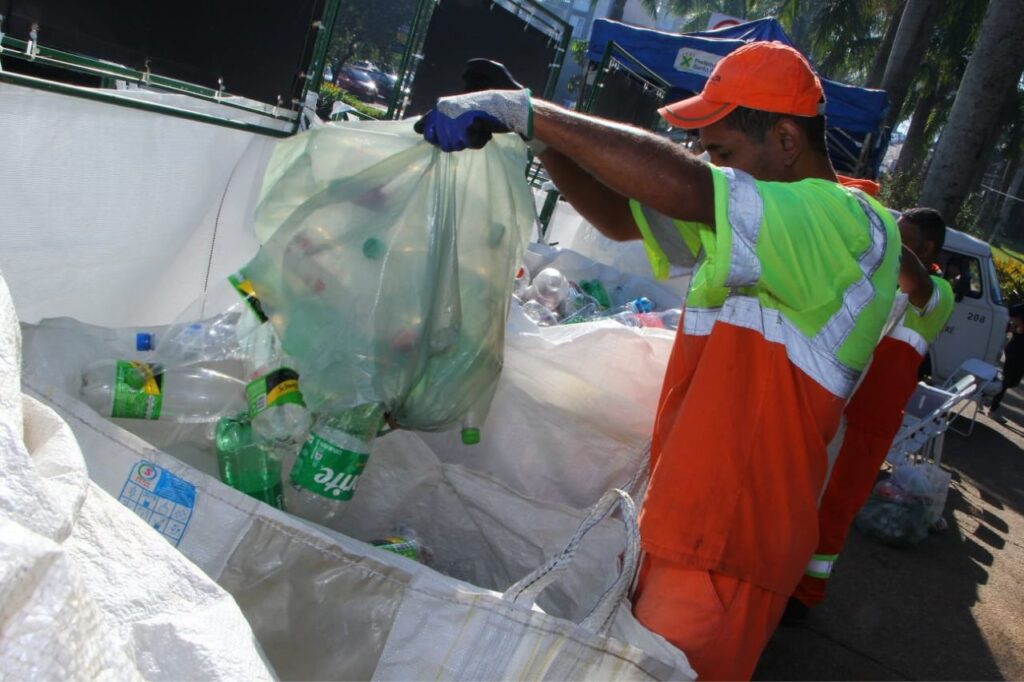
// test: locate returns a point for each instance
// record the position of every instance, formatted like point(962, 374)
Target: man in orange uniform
point(796, 279)
point(875, 412)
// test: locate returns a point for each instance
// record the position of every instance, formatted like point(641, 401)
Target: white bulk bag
point(326, 606)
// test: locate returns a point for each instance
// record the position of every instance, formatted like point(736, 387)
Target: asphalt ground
point(950, 608)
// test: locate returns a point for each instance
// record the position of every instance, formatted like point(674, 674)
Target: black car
point(359, 82)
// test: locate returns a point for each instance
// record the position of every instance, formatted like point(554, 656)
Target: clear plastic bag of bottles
point(387, 267)
point(893, 515)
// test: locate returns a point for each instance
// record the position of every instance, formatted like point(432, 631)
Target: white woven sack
point(322, 604)
point(87, 590)
point(454, 634)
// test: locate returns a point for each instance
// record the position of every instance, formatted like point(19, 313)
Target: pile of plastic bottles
point(230, 373)
point(550, 298)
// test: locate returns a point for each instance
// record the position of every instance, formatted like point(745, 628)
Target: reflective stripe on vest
point(859, 294)
point(820, 566)
point(818, 356)
point(747, 312)
point(746, 210)
point(930, 321)
point(910, 337)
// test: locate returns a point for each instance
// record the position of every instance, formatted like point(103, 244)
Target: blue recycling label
point(159, 498)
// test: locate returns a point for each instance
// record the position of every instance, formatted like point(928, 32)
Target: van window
point(963, 273)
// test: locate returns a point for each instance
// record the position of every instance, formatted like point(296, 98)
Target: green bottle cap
point(470, 436)
point(373, 248)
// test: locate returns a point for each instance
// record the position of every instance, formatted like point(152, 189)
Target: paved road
point(949, 608)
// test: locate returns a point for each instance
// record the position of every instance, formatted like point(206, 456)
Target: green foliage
point(329, 94)
point(1011, 278)
point(370, 30)
point(900, 190)
point(578, 50)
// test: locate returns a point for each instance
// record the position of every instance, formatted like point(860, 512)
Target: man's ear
point(790, 140)
point(931, 250)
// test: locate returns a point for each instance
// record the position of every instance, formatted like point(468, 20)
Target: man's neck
point(815, 166)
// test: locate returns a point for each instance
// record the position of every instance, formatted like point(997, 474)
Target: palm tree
point(877, 70)
point(956, 31)
point(908, 48)
point(841, 37)
point(992, 74)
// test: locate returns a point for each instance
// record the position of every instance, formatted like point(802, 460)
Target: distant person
point(957, 278)
point(1013, 360)
point(875, 412)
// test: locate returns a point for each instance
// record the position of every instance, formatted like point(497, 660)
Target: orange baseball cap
point(768, 76)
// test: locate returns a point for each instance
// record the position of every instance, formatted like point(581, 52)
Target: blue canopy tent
point(856, 135)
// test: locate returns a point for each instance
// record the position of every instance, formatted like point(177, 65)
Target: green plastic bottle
point(329, 465)
point(244, 465)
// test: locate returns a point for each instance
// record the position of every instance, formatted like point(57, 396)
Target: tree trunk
point(617, 10)
point(1012, 205)
point(874, 79)
point(907, 51)
point(991, 75)
point(914, 144)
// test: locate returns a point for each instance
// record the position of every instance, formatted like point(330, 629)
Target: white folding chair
point(986, 378)
point(925, 419)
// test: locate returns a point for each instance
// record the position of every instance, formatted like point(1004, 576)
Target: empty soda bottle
point(244, 464)
point(124, 389)
point(549, 288)
point(328, 467)
point(241, 333)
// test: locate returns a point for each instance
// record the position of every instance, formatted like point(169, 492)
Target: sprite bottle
point(331, 461)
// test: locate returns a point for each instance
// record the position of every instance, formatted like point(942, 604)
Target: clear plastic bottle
point(124, 389)
point(579, 306)
point(521, 284)
point(328, 467)
point(540, 314)
point(549, 288)
point(242, 333)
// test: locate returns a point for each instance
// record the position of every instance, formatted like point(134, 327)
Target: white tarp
point(117, 216)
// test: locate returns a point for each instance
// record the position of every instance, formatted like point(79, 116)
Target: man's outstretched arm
point(601, 206)
point(632, 162)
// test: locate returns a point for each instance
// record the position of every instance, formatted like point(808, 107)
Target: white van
point(977, 327)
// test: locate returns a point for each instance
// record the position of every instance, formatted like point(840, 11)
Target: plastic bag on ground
point(903, 507)
point(926, 481)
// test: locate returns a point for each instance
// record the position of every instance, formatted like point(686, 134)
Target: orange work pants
point(721, 623)
point(853, 477)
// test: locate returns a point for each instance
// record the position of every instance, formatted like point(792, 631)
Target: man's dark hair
point(929, 223)
point(755, 123)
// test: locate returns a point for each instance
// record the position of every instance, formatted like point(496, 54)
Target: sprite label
point(328, 470)
point(278, 387)
point(401, 545)
point(138, 390)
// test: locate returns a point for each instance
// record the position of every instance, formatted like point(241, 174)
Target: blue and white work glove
point(468, 121)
